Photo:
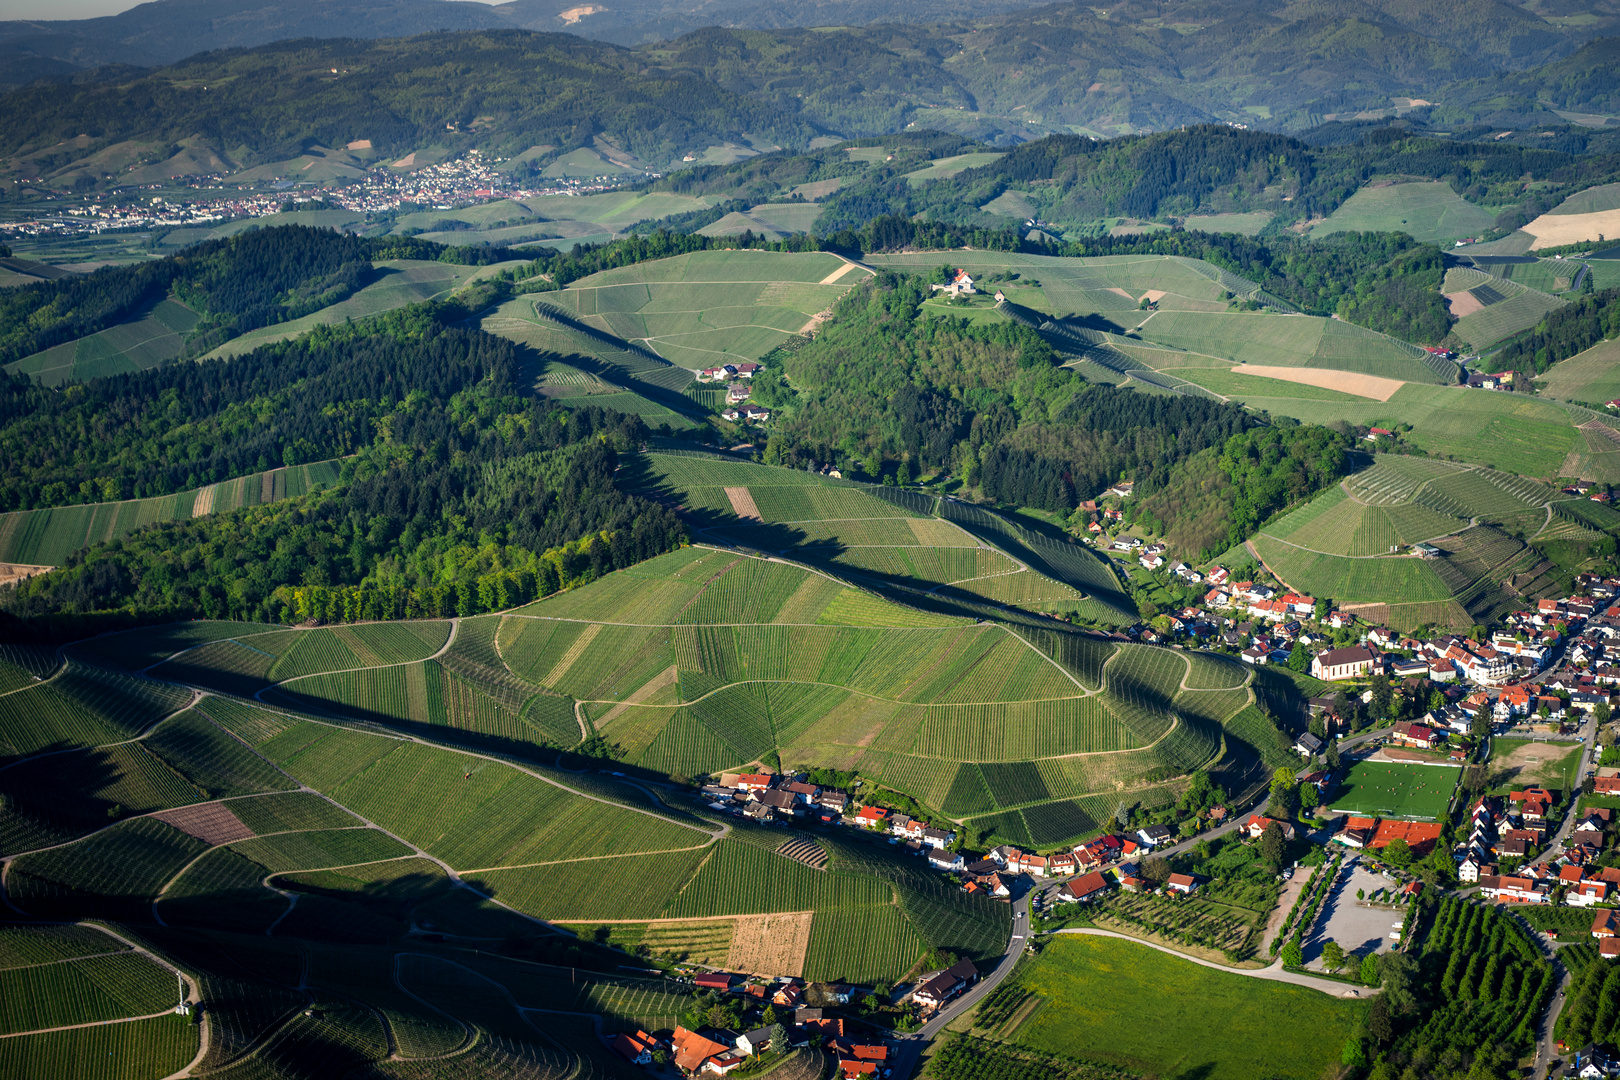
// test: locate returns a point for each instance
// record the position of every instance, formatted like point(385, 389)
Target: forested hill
point(256, 278)
point(503, 91)
point(460, 494)
point(989, 404)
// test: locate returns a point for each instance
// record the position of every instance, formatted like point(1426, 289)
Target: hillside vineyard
point(750, 540)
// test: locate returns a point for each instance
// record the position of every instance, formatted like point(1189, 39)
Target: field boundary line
point(68, 960)
point(92, 1023)
point(469, 1036)
point(553, 862)
point(196, 696)
point(328, 720)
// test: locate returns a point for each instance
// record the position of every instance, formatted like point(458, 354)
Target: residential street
point(911, 1046)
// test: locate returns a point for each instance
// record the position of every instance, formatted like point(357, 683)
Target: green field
point(1342, 544)
point(1523, 308)
point(709, 308)
point(1133, 1006)
point(1423, 210)
point(1286, 341)
point(1593, 375)
point(945, 168)
point(1242, 224)
point(1240, 387)
point(155, 337)
point(47, 537)
point(1510, 432)
point(1387, 789)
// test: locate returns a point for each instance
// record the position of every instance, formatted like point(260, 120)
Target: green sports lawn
point(1384, 789)
point(1134, 1006)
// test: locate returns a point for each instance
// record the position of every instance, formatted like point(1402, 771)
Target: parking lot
point(1358, 930)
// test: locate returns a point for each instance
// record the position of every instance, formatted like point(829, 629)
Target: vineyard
point(114, 874)
point(862, 945)
point(82, 706)
point(84, 991)
point(134, 1051)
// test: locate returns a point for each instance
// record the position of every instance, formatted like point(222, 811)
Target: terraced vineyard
point(1346, 543)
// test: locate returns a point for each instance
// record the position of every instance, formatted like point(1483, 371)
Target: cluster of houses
point(1516, 829)
point(776, 797)
point(716, 1052)
point(1374, 834)
point(738, 377)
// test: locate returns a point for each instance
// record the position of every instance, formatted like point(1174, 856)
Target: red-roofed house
point(1421, 736)
point(755, 782)
point(693, 1051)
point(1182, 883)
point(872, 815)
point(1257, 824)
point(638, 1049)
point(1085, 889)
point(1604, 923)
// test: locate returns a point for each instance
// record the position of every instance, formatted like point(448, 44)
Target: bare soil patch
point(1526, 762)
point(12, 572)
point(1346, 382)
point(212, 823)
point(204, 503)
point(1376, 614)
point(742, 504)
point(771, 944)
point(836, 274)
point(1153, 296)
point(1463, 303)
point(1551, 230)
point(1117, 291)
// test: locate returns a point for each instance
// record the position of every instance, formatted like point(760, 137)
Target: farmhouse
point(1345, 663)
point(946, 985)
point(638, 1049)
point(714, 980)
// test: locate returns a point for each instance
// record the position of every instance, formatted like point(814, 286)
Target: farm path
point(468, 1034)
point(192, 994)
point(196, 696)
point(1274, 973)
point(451, 640)
point(859, 693)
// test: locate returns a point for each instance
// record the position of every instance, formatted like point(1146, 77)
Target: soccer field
point(1380, 789)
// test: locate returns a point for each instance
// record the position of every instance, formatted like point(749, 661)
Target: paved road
point(1589, 729)
point(911, 1047)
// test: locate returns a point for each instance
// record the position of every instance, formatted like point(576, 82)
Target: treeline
point(465, 504)
point(256, 278)
point(1563, 333)
point(326, 394)
point(560, 268)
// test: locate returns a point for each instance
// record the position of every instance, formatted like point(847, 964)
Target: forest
point(469, 498)
point(323, 395)
point(990, 405)
point(1221, 495)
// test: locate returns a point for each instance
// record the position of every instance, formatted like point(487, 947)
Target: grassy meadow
point(1424, 210)
point(1131, 1005)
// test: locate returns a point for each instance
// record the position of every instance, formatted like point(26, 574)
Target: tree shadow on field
point(1196, 1072)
